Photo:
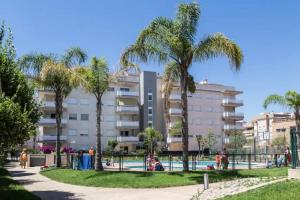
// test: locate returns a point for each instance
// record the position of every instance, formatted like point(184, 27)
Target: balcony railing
point(229, 127)
point(233, 115)
point(175, 97)
point(51, 122)
point(174, 139)
point(51, 104)
point(175, 111)
point(128, 124)
point(128, 109)
point(127, 139)
point(128, 94)
point(232, 102)
point(51, 137)
point(128, 79)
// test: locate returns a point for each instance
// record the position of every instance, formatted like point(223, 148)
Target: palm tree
point(173, 40)
point(96, 81)
point(56, 75)
point(291, 100)
point(151, 138)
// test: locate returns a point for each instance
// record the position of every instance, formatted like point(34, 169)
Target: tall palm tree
point(96, 81)
point(56, 74)
point(173, 40)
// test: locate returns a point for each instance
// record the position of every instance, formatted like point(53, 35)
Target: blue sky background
point(267, 31)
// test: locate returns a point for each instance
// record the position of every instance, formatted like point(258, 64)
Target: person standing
point(225, 159)
point(23, 158)
point(92, 154)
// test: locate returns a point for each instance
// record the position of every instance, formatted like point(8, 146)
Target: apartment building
point(133, 102)
point(266, 127)
point(212, 108)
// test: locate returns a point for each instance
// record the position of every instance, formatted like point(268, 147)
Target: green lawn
point(152, 179)
point(287, 190)
point(11, 190)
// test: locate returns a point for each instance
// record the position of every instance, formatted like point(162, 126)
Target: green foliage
point(151, 138)
point(236, 140)
point(111, 144)
point(19, 111)
point(279, 141)
point(211, 139)
point(176, 129)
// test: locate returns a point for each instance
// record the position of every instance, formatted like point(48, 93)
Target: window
point(278, 130)
point(72, 101)
point(52, 115)
point(84, 102)
point(124, 133)
point(149, 111)
point(150, 90)
point(84, 117)
point(124, 89)
point(149, 97)
point(110, 89)
point(73, 116)
point(149, 117)
point(72, 132)
point(150, 103)
point(84, 132)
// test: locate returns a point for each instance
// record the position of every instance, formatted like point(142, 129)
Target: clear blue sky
point(267, 31)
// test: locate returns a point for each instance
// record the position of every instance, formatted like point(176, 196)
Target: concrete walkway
point(48, 189)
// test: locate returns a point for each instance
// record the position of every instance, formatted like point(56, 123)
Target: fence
point(173, 162)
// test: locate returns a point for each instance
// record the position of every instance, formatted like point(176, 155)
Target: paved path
point(48, 189)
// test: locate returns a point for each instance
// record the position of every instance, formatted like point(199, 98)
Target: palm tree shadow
point(57, 195)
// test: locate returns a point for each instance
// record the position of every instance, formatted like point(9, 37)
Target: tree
point(291, 100)
point(54, 73)
point(279, 142)
point(236, 140)
point(111, 144)
point(176, 129)
point(18, 110)
point(151, 138)
point(211, 139)
point(202, 142)
point(96, 81)
point(173, 40)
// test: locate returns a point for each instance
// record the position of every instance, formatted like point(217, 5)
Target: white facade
point(211, 108)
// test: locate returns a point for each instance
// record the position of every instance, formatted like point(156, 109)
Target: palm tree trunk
point(185, 131)
point(98, 160)
point(58, 116)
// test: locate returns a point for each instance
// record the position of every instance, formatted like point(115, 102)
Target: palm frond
point(32, 64)
point(217, 45)
point(274, 99)
point(292, 98)
point(74, 56)
point(137, 53)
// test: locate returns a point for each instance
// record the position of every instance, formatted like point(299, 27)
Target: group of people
point(222, 159)
point(153, 164)
point(282, 160)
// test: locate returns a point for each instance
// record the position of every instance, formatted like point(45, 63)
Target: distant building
point(265, 128)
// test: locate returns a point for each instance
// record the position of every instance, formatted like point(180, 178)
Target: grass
point(152, 179)
point(286, 190)
point(11, 190)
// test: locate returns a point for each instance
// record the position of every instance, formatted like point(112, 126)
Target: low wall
point(45, 159)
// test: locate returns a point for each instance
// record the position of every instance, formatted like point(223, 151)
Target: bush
point(47, 149)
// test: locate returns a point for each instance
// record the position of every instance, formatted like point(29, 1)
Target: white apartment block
point(212, 108)
point(134, 102)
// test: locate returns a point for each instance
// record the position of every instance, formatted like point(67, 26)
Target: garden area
point(113, 179)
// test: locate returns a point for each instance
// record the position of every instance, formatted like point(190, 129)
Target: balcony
point(51, 122)
point(175, 98)
point(174, 139)
point(233, 115)
point(51, 105)
point(175, 111)
point(129, 79)
point(134, 139)
point(51, 138)
point(128, 109)
point(128, 124)
point(232, 102)
point(229, 127)
point(127, 94)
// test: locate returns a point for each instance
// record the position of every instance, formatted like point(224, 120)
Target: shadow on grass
point(109, 173)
